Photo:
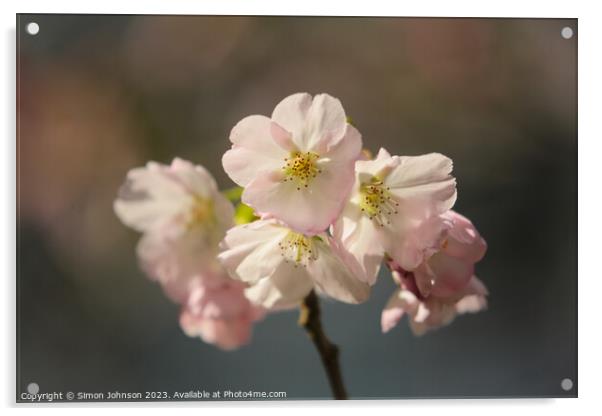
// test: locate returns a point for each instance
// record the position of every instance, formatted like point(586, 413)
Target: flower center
point(377, 202)
point(297, 248)
point(201, 213)
point(300, 168)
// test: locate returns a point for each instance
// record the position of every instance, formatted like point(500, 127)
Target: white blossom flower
point(394, 208)
point(183, 217)
point(298, 165)
point(282, 266)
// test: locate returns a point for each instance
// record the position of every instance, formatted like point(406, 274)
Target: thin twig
point(309, 318)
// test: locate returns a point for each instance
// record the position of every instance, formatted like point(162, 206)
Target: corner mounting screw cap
point(566, 384)
point(566, 32)
point(33, 388)
point(32, 28)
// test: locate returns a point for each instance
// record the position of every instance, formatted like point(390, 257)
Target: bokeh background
point(98, 95)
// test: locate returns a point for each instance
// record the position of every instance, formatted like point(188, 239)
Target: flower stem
point(310, 319)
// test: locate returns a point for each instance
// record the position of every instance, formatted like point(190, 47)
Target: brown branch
point(309, 318)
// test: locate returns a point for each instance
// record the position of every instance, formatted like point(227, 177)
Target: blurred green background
point(98, 95)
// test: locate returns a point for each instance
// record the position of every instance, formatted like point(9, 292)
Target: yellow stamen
point(301, 168)
point(202, 213)
point(297, 248)
point(376, 201)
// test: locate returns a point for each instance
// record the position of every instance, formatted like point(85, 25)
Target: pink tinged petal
point(219, 315)
point(150, 198)
point(255, 133)
point(347, 150)
point(175, 263)
point(379, 167)
point(315, 124)
point(282, 137)
point(422, 313)
point(477, 287)
point(242, 165)
point(284, 288)
point(464, 241)
point(390, 317)
point(225, 334)
point(432, 313)
point(250, 252)
point(394, 310)
point(424, 279)
point(471, 304)
point(306, 210)
point(296, 205)
point(254, 150)
point(382, 154)
point(332, 277)
point(452, 274)
point(475, 298)
point(356, 233)
point(226, 300)
point(194, 179)
point(443, 310)
point(326, 124)
point(228, 335)
point(402, 302)
point(189, 324)
point(409, 242)
point(423, 184)
point(200, 184)
point(291, 113)
point(419, 170)
point(347, 223)
point(330, 189)
point(161, 197)
point(362, 265)
point(224, 213)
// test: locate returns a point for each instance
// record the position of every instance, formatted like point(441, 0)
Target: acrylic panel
point(204, 211)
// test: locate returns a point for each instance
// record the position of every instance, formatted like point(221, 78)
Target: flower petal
point(409, 242)
point(251, 251)
point(161, 197)
point(400, 303)
point(334, 278)
point(282, 137)
point(194, 179)
point(464, 241)
point(150, 198)
point(291, 112)
point(379, 167)
point(347, 150)
point(452, 274)
point(307, 210)
point(475, 298)
point(254, 150)
point(314, 124)
point(284, 288)
point(357, 234)
point(326, 124)
point(423, 184)
point(176, 262)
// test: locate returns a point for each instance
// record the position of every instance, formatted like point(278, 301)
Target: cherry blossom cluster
point(325, 217)
point(183, 218)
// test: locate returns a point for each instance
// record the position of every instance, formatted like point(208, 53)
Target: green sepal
point(244, 214)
